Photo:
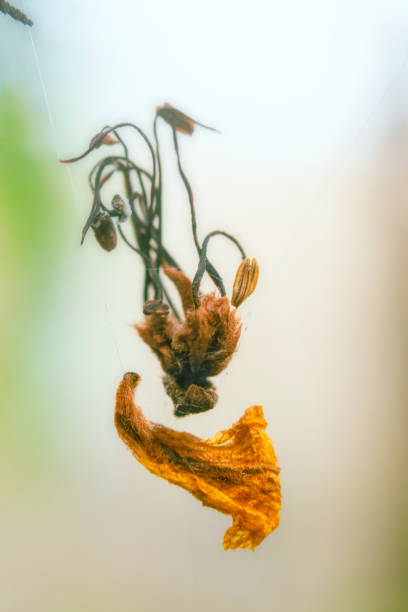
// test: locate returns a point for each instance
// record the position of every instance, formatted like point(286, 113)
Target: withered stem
point(147, 218)
point(203, 259)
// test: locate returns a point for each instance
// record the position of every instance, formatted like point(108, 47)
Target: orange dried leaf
point(235, 472)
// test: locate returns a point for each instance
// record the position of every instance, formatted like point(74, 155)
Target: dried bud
point(245, 281)
point(155, 307)
point(178, 120)
point(100, 139)
point(122, 206)
point(105, 231)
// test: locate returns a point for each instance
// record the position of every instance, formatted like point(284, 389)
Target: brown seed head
point(245, 281)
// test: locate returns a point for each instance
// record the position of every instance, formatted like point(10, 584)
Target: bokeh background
point(310, 172)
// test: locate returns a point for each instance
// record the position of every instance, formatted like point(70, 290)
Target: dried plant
point(235, 472)
point(199, 346)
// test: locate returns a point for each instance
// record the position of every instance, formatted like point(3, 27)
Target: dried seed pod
point(105, 231)
point(245, 282)
point(122, 206)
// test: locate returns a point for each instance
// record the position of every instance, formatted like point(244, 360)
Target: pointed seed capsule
point(245, 281)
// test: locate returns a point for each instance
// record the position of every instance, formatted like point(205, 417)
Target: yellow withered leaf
point(235, 472)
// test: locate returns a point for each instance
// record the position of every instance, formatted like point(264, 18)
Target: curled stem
point(203, 259)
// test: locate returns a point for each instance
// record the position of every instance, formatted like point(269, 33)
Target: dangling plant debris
point(236, 472)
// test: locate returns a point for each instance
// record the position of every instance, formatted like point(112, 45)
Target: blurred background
point(310, 173)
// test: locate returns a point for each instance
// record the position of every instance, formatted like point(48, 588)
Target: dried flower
point(192, 350)
point(235, 472)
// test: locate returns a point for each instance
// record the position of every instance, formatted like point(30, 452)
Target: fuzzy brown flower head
point(193, 350)
point(235, 472)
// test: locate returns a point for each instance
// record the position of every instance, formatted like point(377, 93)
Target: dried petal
point(105, 231)
point(245, 281)
point(235, 472)
point(183, 286)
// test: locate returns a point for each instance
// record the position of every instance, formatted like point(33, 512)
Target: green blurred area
point(32, 232)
